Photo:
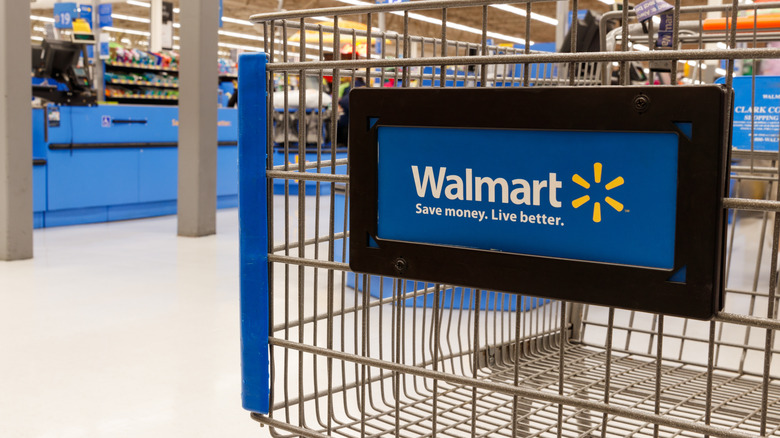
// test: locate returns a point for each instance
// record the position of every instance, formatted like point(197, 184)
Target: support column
point(562, 15)
point(16, 206)
point(155, 37)
point(198, 77)
point(97, 68)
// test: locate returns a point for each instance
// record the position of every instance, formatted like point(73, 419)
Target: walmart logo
point(579, 202)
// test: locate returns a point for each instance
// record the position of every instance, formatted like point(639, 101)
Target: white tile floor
point(123, 330)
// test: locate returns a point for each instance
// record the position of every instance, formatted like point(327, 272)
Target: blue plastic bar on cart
point(253, 220)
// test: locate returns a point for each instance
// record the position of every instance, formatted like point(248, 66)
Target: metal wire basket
point(357, 355)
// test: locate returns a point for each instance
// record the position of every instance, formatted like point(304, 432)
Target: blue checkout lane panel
point(39, 164)
point(117, 162)
point(158, 174)
point(124, 123)
point(227, 160)
point(39, 133)
point(92, 178)
point(39, 188)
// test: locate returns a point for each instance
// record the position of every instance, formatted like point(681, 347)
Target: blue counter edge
point(253, 225)
point(111, 213)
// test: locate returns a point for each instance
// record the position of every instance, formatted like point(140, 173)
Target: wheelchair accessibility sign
point(539, 192)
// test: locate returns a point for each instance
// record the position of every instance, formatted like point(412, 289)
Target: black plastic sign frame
point(702, 169)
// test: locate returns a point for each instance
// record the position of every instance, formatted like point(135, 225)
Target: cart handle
point(763, 22)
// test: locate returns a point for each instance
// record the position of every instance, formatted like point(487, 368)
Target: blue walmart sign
point(756, 113)
point(594, 196)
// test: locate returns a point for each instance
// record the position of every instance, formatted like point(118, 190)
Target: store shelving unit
point(141, 83)
point(163, 93)
point(137, 90)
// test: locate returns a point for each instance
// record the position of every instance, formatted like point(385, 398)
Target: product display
point(139, 76)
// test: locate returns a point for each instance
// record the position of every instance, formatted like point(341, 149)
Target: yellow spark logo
point(579, 202)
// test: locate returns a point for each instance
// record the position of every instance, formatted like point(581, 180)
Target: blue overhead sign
point(582, 196)
point(85, 13)
point(104, 15)
point(64, 14)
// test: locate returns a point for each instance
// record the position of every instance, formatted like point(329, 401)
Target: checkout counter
point(97, 163)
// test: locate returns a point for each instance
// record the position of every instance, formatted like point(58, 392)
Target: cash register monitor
point(37, 58)
point(60, 60)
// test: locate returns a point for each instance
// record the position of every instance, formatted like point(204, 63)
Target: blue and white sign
point(665, 31)
point(759, 119)
point(105, 121)
point(648, 8)
point(544, 192)
point(64, 14)
point(85, 13)
point(612, 200)
point(104, 14)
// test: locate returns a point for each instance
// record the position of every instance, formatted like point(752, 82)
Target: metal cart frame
point(327, 352)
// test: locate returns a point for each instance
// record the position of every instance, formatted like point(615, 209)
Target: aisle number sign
point(539, 191)
point(64, 14)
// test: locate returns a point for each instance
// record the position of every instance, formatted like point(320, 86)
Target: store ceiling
point(235, 35)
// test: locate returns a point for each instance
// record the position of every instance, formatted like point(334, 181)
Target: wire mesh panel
point(361, 355)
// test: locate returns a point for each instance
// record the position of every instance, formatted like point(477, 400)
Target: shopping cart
point(330, 352)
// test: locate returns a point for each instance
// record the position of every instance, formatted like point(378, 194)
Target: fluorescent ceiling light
point(129, 31)
point(450, 24)
point(522, 13)
point(36, 38)
point(131, 18)
point(239, 46)
point(240, 35)
point(147, 5)
point(237, 21)
point(39, 18)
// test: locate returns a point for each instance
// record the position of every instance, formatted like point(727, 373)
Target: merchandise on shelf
point(141, 58)
point(228, 67)
point(139, 76)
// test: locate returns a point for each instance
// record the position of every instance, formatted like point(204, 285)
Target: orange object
point(765, 22)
